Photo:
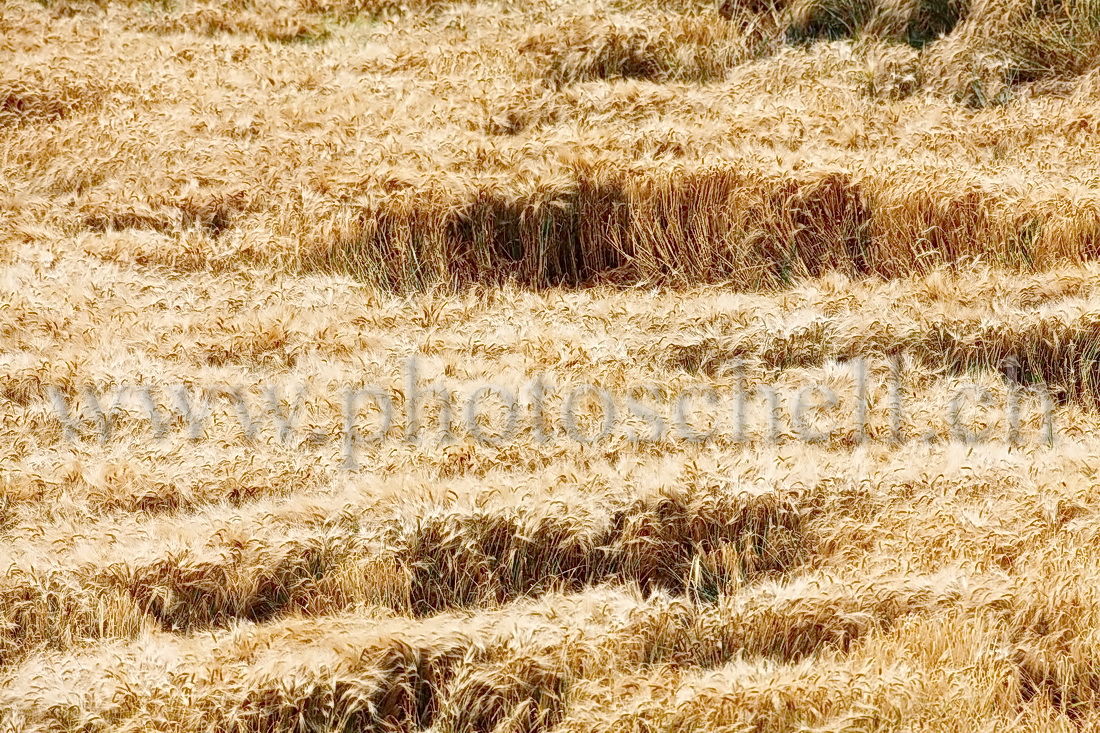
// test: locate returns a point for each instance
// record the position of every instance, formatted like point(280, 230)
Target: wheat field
point(784, 316)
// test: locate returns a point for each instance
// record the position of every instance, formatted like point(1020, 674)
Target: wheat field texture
point(313, 217)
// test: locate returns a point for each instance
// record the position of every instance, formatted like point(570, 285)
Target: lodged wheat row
point(443, 144)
